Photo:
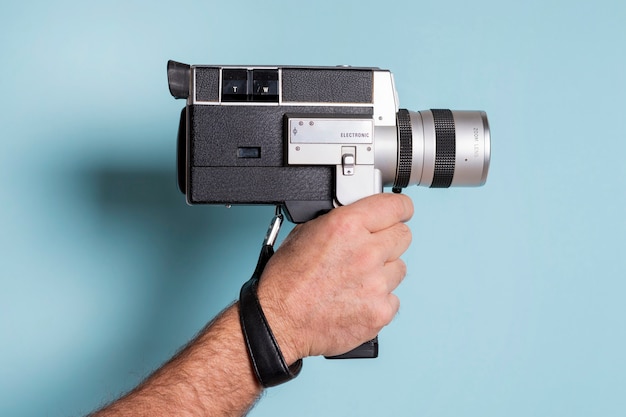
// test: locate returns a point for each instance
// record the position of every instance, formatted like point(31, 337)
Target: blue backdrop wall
point(514, 300)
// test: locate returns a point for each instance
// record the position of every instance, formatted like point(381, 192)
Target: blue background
point(514, 300)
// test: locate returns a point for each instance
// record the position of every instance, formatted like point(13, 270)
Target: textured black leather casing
point(216, 174)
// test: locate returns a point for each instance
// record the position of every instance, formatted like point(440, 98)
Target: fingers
point(394, 274)
point(347, 265)
point(385, 312)
point(380, 211)
point(392, 242)
point(394, 303)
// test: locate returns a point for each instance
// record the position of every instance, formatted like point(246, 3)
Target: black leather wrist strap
point(265, 355)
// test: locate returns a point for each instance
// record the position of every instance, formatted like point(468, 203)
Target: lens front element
point(450, 148)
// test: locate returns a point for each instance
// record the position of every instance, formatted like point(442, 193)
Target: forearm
point(211, 376)
point(325, 291)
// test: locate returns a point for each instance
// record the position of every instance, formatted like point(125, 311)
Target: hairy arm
point(211, 376)
point(327, 289)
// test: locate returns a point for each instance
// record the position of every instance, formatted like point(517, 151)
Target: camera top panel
point(281, 85)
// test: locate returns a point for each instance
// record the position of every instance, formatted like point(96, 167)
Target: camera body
point(311, 138)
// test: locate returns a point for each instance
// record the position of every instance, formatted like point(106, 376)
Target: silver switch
point(348, 160)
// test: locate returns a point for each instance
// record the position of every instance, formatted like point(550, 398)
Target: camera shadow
point(144, 204)
point(191, 260)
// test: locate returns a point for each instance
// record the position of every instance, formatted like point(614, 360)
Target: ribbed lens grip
point(445, 148)
point(405, 151)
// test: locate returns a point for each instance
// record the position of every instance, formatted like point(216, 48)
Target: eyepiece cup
point(178, 76)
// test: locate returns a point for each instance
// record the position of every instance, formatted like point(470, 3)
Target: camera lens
point(442, 148)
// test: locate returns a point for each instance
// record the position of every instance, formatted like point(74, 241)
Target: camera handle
point(367, 350)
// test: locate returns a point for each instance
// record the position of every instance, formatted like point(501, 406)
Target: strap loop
point(265, 355)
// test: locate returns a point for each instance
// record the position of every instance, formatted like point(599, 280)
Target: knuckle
point(404, 232)
point(380, 313)
point(383, 315)
point(342, 223)
point(397, 205)
point(378, 287)
point(394, 302)
point(402, 268)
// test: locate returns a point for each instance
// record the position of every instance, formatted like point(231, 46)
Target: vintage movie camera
point(308, 139)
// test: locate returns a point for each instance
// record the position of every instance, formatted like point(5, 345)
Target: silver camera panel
point(370, 143)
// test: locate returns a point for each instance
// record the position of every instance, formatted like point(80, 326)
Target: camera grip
point(368, 350)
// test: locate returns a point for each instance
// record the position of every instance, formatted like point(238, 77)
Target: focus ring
point(405, 151)
point(445, 148)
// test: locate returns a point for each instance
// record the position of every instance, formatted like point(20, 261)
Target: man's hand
point(329, 286)
point(325, 291)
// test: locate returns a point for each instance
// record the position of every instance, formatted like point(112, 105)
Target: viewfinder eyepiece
point(178, 77)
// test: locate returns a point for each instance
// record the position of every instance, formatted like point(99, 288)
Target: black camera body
point(311, 138)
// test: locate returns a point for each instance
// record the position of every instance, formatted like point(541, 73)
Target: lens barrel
point(446, 148)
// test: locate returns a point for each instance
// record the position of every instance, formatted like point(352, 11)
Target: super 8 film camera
point(311, 138)
point(307, 139)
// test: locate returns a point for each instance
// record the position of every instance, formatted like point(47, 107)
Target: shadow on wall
point(144, 204)
point(175, 244)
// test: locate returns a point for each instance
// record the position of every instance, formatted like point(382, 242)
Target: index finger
point(380, 211)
